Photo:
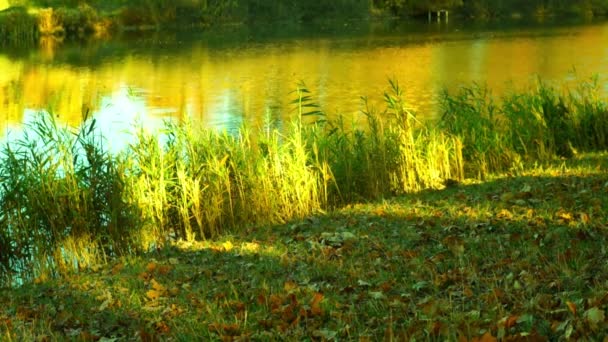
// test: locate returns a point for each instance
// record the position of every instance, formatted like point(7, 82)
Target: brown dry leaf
point(487, 337)
point(315, 304)
point(151, 266)
point(511, 321)
point(144, 276)
point(146, 337)
point(275, 302)
point(571, 307)
point(164, 269)
point(386, 286)
point(231, 329)
point(162, 327)
point(117, 268)
point(261, 299)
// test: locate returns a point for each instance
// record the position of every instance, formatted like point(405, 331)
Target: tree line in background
point(306, 10)
point(487, 9)
point(28, 18)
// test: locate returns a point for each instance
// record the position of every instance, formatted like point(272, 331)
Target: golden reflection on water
point(252, 82)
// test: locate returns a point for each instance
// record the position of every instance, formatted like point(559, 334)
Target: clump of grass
point(394, 154)
point(62, 202)
point(538, 124)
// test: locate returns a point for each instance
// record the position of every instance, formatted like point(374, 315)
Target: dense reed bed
point(541, 122)
point(67, 203)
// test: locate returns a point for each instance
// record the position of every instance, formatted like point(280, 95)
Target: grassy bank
point(257, 234)
point(517, 258)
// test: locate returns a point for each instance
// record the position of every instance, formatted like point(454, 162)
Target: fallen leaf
point(571, 307)
point(315, 305)
point(117, 268)
point(487, 337)
point(162, 327)
point(164, 269)
point(153, 294)
point(151, 266)
point(511, 321)
point(158, 286)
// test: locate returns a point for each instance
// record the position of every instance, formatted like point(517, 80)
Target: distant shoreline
point(20, 25)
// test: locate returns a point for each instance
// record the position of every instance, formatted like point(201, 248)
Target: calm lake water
point(238, 75)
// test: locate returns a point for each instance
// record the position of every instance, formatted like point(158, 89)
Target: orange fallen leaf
point(571, 307)
point(511, 321)
point(261, 299)
point(315, 305)
point(151, 266)
point(487, 337)
point(162, 327)
point(231, 329)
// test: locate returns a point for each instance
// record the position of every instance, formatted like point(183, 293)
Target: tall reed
point(61, 202)
point(540, 123)
point(67, 203)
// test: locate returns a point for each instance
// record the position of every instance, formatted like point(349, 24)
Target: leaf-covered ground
point(517, 258)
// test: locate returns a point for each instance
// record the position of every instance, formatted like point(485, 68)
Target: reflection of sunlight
point(223, 113)
point(14, 130)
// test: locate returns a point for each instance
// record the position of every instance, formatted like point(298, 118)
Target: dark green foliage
point(17, 27)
